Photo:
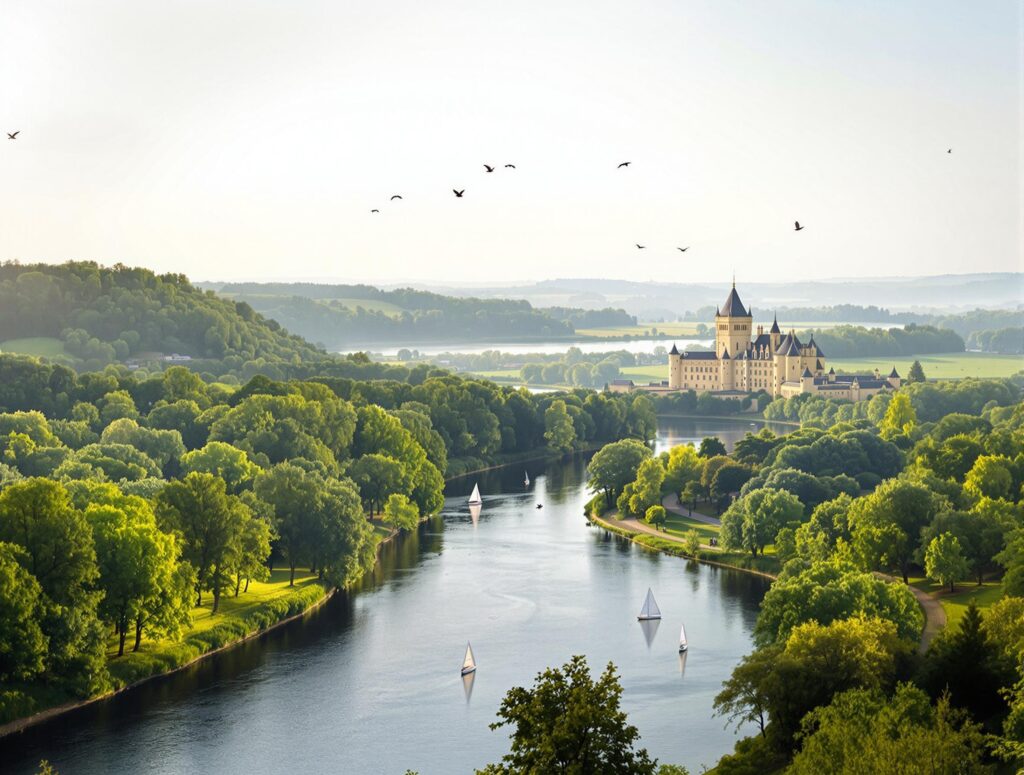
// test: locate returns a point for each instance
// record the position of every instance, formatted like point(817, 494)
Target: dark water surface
point(370, 683)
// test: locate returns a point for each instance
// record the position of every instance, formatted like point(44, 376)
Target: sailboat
point(650, 609)
point(475, 498)
point(682, 639)
point(468, 663)
point(526, 478)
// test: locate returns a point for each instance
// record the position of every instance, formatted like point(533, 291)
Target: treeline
point(124, 501)
point(332, 314)
point(591, 318)
point(858, 342)
point(104, 315)
point(835, 683)
point(1007, 341)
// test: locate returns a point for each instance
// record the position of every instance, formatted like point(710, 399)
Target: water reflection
point(682, 663)
point(467, 684)
point(650, 629)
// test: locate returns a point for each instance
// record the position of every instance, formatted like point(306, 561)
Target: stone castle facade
point(746, 361)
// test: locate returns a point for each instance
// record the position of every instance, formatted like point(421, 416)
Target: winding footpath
point(934, 614)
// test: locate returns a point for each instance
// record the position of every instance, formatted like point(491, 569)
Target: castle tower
point(733, 326)
point(775, 334)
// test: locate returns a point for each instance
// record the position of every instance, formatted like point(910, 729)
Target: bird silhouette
point(507, 166)
point(683, 250)
point(396, 196)
point(797, 225)
point(374, 211)
point(624, 164)
point(949, 150)
point(458, 193)
point(13, 136)
point(641, 247)
point(489, 168)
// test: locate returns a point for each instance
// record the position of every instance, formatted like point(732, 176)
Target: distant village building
point(745, 362)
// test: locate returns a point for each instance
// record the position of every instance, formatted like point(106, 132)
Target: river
point(370, 683)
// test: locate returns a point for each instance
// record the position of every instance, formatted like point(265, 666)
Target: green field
point(955, 604)
point(40, 346)
point(940, 366)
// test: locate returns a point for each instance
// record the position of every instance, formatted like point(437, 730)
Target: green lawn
point(678, 525)
point(641, 375)
point(955, 604)
point(40, 346)
point(940, 366)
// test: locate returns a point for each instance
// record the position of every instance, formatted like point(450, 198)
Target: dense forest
point(343, 316)
point(926, 486)
point(125, 500)
point(860, 342)
point(102, 315)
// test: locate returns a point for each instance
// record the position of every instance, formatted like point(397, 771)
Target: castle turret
point(675, 368)
point(733, 325)
point(775, 334)
point(894, 379)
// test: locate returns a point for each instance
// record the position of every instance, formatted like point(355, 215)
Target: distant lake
point(370, 683)
point(547, 348)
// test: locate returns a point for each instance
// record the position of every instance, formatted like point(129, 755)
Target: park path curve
point(671, 503)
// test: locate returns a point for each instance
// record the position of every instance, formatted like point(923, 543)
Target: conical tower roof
point(733, 307)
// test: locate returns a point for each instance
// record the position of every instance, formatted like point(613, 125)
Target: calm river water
point(370, 683)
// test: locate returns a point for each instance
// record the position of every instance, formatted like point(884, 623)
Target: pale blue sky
point(246, 139)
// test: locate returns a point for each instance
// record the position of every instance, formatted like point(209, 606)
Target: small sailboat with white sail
point(682, 638)
point(468, 662)
point(650, 609)
point(474, 498)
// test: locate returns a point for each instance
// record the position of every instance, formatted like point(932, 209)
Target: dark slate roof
point(790, 345)
point(775, 325)
point(832, 370)
point(674, 350)
point(700, 355)
point(733, 307)
point(818, 366)
point(807, 373)
point(725, 354)
point(872, 383)
point(763, 340)
point(894, 373)
point(820, 352)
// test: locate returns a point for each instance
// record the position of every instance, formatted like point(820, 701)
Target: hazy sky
point(250, 139)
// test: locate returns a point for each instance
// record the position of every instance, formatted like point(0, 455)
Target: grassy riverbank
point(955, 603)
point(764, 565)
point(264, 606)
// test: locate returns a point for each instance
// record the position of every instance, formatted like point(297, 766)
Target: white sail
point(682, 637)
point(475, 497)
point(650, 608)
point(526, 478)
point(468, 663)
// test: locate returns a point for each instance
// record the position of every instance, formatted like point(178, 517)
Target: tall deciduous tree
point(944, 560)
point(568, 722)
point(558, 428)
point(900, 417)
point(22, 643)
point(887, 524)
point(210, 524)
point(615, 465)
point(752, 522)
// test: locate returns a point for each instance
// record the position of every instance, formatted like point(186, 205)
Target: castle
point(744, 362)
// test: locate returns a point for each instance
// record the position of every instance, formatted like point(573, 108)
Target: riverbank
point(762, 565)
point(239, 621)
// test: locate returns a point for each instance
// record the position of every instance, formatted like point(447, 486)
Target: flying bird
point(507, 166)
point(641, 247)
point(489, 168)
point(396, 196)
point(458, 193)
point(13, 136)
point(797, 225)
point(624, 164)
point(374, 211)
point(950, 150)
point(683, 250)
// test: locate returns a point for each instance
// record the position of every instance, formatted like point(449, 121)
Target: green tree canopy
point(568, 722)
